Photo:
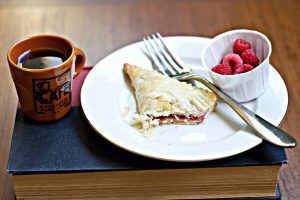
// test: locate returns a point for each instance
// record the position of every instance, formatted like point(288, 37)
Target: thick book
point(67, 159)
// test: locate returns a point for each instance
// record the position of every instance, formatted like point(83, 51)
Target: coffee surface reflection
point(41, 58)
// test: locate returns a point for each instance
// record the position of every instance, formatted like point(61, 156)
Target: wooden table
point(100, 27)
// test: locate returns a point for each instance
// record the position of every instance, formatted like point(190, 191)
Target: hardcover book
point(67, 159)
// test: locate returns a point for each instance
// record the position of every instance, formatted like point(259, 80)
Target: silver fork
point(166, 62)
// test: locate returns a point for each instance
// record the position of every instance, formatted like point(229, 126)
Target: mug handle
point(79, 62)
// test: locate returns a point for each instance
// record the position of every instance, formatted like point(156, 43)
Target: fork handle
point(263, 128)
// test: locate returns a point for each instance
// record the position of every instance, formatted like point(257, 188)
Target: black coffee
point(41, 58)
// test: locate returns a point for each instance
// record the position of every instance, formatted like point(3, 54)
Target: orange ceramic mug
point(45, 94)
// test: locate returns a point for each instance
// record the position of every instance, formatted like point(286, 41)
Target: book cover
point(70, 144)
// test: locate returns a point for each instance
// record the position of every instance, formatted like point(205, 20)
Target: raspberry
point(238, 69)
point(242, 68)
point(232, 59)
point(224, 69)
point(250, 58)
point(240, 45)
point(247, 67)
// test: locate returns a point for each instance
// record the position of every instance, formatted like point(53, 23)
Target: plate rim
point(228, 154)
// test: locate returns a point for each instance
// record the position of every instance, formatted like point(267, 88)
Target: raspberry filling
point(181, 118)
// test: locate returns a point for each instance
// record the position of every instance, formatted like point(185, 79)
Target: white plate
point(107, 92)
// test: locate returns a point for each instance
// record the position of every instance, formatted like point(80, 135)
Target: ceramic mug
point(45, 94)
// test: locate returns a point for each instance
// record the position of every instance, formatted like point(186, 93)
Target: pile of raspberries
point(242, 60)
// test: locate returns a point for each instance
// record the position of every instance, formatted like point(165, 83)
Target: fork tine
point(172, 55)
point(157, 65)
point(162, 60)
point(166, 55)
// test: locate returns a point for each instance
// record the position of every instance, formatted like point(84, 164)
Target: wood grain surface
point(100, 27)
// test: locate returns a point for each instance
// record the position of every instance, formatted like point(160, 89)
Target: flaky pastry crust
point(159, 96)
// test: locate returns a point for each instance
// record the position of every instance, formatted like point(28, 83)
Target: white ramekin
point(246, 86)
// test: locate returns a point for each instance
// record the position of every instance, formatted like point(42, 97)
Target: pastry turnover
point(164, 100)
